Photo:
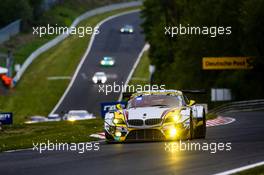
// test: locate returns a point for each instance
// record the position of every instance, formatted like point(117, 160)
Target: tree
point(12, 10)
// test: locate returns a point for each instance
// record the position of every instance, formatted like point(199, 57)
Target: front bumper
point(159, 133)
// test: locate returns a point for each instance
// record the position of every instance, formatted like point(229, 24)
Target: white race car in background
point(107, 61)
point(127, 29)
point(54, 117)
point(75, 115)
point(36, 119)
point(99, 77)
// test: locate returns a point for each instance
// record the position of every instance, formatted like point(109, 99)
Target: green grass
point(141, 74)
point(210, 116)
point(23, 136)
point(35, 95)
point(256, 171)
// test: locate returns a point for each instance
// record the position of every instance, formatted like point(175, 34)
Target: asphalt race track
point(125, 48)
point(245, 134)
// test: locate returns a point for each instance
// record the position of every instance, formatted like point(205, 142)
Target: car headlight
point(173, 132)
point(95, 79)
point(72, 119)
point(103, 79)
point(173, 118)
point(118, 134)
point(102, 62)
point(111, 62)
point(122, 30)
point(118, 121)
point(130, 30)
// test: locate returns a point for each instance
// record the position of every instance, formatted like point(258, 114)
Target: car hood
point(146, 112)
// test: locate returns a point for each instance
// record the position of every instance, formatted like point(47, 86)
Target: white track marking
point(243, 168)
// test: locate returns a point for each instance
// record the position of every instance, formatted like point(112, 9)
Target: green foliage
point(179, 59)
point(12, 10)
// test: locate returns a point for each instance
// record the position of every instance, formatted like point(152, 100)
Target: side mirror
point(119, 107)
point(192, 102)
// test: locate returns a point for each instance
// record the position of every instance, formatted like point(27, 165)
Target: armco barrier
point(10, 30)
point(239, 106)
point(61, 37)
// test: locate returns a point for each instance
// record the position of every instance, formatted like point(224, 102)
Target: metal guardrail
point(239, 106)
point(10, 30)
point(61, 37)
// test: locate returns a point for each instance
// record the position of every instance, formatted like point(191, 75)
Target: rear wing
point(194, 91)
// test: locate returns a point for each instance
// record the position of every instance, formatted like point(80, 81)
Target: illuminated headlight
point(173, 118)
point(118, 134)
point(118, 121)
point(103, 62)
point(122, 30)
point(131, 30)
point(71, 119)
point(95, 79)
point(103, 79)
point(111, 62)
point(173, 132)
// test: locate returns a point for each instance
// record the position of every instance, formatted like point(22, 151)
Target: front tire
point(108, 137)
point(191, 129)
point(200, 130)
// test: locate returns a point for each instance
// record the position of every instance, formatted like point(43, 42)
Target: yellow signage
point(225, 63)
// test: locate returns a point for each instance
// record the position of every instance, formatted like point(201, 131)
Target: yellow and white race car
point(156, 116)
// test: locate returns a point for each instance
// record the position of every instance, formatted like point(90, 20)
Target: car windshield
point(155, 100)
point(107, 58)
point(100, 74)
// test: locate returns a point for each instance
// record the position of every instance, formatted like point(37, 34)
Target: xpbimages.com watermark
point(58, 30)
point(212, 147)
point(117, 88)
point(57, 146)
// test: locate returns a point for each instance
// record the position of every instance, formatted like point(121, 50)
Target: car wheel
point(204, 126)
point(200, 131)
point(108, 137)
point(190, 137)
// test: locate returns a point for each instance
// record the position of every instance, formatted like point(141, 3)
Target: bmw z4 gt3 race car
point(156, 116)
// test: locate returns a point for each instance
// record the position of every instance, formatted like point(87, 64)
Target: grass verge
point(210, 116)
point(256, 171)
point(23, 136)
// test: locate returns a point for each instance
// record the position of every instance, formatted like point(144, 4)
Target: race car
point(107, 61)
point(99, 77)
point(127, 29)
point(156, 116)
point(75, 115)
